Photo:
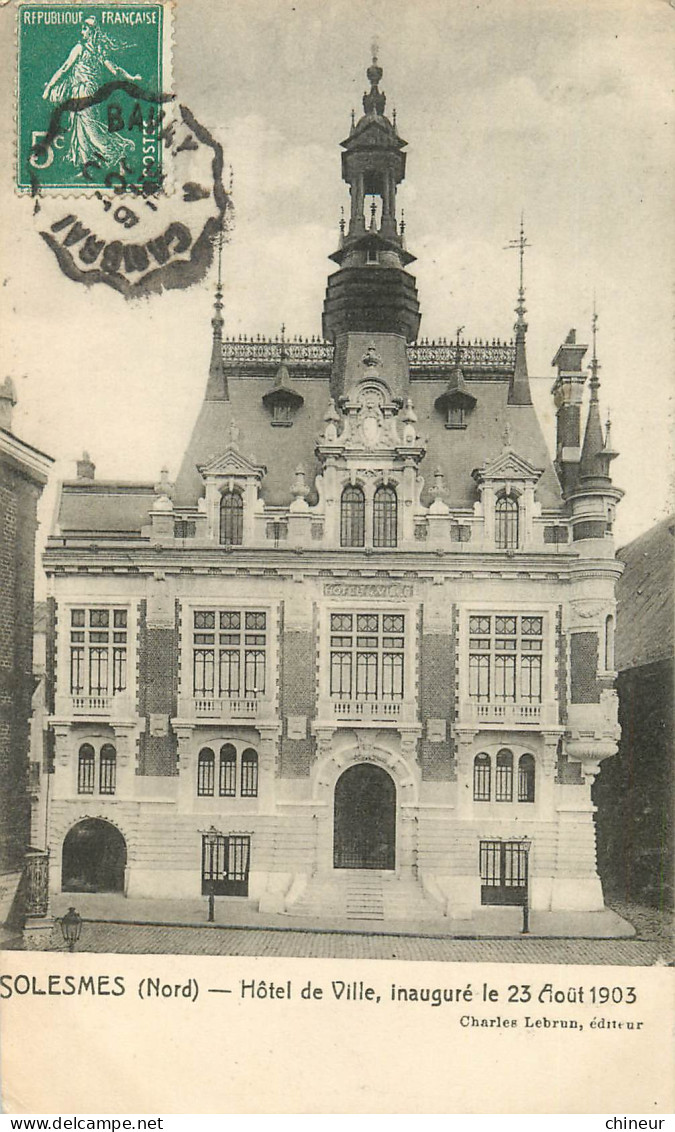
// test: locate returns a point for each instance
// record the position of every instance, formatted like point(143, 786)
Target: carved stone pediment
point(508, 467)
point(231, 462)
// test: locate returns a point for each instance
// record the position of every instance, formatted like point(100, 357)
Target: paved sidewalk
point(152, 939)
point(497, 923)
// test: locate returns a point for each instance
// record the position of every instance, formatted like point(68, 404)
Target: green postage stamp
point(92, 82)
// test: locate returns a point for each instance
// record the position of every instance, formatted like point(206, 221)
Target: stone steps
point(364, 894)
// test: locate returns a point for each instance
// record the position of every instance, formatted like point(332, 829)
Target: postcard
point(336, 575)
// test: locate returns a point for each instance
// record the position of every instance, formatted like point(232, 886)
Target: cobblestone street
point(177, 940)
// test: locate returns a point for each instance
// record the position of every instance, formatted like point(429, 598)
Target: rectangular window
point(506, 658)
point(231, 660)
point(98, 651)
point(225, 864)
point(366, 656)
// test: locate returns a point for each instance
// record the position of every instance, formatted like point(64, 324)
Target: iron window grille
point(227, 783)
point(385, 517)
point(504, 776)
point(503, 872)
point(232, 657)
point(98, 651)
point(352, 516)
point(366, 656)
point(108, 769)
point(205, 773)
point(86, 769)
point(506, 658)
point(482, 776)
point(249, 774)
point(507, 515)
point(231, 519)
point(526, 778)
point(184, 528)
point(225, 864)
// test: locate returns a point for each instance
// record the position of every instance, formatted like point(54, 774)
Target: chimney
point(7, 403)
point(567, 391)
point(86, 469)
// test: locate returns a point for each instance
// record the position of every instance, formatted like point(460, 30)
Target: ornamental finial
point(375, 101)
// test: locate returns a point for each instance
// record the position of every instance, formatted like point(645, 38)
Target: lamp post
point(71, 928)
point(526, 844)
point(210, 841)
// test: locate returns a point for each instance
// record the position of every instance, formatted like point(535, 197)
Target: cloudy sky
point(562, 109)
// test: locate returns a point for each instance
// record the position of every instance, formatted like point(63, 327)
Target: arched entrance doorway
point(365, 819)
point(94, 858)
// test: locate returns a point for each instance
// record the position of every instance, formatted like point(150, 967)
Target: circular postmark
point(144, 229)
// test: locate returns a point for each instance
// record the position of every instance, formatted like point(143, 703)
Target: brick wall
point(297, 683)
point(18, 501)
point(584, 668)
point(157, 668)
point(437, 699)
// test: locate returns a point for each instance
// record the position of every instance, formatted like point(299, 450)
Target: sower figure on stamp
point(82, 74)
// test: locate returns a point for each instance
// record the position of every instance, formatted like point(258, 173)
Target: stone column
point(267, 766)
point(464, 755)
point(187, 786)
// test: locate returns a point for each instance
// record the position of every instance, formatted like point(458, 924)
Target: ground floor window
point(503, 872)
point(225, 864)
point(86, 769)
point(227, 772)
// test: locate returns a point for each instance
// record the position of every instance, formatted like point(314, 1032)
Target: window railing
point(246, 708)
point(516, 715)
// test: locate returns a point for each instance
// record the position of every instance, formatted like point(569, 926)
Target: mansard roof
point(456, 451)
point(104, 506)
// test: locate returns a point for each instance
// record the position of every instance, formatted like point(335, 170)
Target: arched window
point(231, 519)
point(108, 769)
point(384, 516)
point(526, 778)
point(86, 769)
point(227, 787)
point(504, 777)
point(249, 774)
point(352, 517)
point(609, 643)
point(506, 522)
point(205, 772)
point(482, 773)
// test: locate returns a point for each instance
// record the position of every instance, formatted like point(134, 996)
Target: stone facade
point(365, 627)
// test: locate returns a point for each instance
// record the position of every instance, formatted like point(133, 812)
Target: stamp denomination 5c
point(90, 83)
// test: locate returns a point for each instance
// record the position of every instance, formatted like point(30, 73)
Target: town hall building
point(358, 657)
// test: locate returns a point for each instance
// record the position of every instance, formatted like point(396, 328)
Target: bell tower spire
point(372, 291)
point(216, 389)
point(519, 392)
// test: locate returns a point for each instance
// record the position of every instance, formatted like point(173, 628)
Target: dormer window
point(506, 522)
point(372, 255)
point(231, 519)
point(456, 416)
point(282, 414)
point(384, 517)
point(353, 516)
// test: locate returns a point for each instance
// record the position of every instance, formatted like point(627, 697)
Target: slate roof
point(104, 506)
point(644, 622)
point(456, 451)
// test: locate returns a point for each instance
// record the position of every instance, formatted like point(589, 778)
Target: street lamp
point(71, 928)
point(210, 841)
point(526, 844)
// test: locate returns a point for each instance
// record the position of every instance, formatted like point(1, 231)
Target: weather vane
point(519, 245)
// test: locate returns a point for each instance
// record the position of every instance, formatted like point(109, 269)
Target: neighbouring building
point(364, 636)
point(23, 474)
point(634, 793)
